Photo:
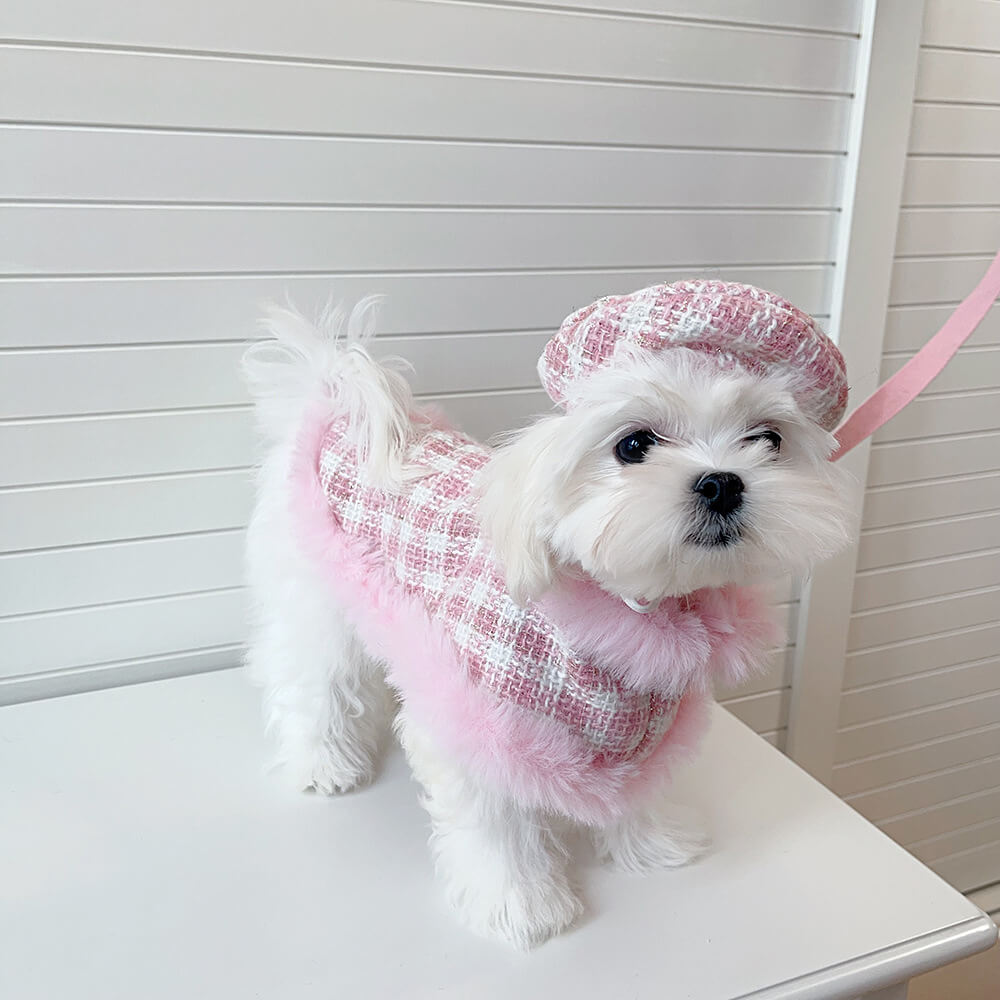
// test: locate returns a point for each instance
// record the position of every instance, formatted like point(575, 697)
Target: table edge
point(888, 966)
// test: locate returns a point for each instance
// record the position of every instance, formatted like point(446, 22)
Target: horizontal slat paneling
point(147, 310)
point(819, 15)
point(37, 383)
point(74, 680)
point(121, 165)
point(78, 577)
point(964, 24)
point(908, 328)
point(778, 675)
point(145, 444)
point(956, 414)
point(946, 456)
point(955, 129)
point(120, 88)
point(879, 588)
point(762, 712)
point(489, 167)
point(958, 76)
point(928, 790)
point(487, 414)
point(950, 180)
point(869, 628)
point(90, 239)
point(925, 231)
point(917, 727)
point(948, 816)
point(868, 704)
point(883, 769)
point(83, 513)
point(965, 839)
point(120, 631)
point(527, 40)
point(940, 279)
point(972, 369)
point(945, 649)
point(931, 540)
point(888, 505)
point(970, 869)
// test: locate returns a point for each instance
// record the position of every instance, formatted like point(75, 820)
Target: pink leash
point(890, 397)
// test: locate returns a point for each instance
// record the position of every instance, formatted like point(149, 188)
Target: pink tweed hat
point(734, 324)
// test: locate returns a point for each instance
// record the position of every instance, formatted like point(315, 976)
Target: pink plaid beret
point(734, 324)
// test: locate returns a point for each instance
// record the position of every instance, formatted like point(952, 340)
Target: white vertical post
point(879, 133)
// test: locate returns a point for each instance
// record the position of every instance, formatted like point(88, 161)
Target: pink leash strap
point(903, 387)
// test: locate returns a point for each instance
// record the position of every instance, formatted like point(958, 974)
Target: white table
point(145, 854)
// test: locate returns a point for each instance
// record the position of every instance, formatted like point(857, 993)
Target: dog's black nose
point(721, 492)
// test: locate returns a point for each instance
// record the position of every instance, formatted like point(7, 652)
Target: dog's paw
point(318, 769)
point(651, 843)
point(524, 915)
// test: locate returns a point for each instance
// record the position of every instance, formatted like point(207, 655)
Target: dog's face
point(667, 475)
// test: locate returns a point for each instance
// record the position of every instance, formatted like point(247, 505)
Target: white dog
point(550, 615)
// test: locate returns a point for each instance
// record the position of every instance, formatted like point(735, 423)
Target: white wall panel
point(88, 512)
point(113, 87)
point(887, 505)
point(45, 312)
point(478, 37)
point(958, 129)
point(931, 578)
point(923, 281)
point(929, 539)
point(190, 375)
point(222, 168)
point(100, 240)
point(888, 768)
point(950, 180)
point(814, 15)
point(919, 690)
point(938, 820)
point(919, 745)
point(136, 629)
point(488, 167)
point(898, 731)
point(908, 328)
point(943, 649)
point(948, 455)
point(123, 571)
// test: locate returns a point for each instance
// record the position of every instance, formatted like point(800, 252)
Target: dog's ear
point(516, 492)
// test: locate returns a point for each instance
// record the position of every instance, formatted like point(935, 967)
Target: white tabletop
point(145, 854)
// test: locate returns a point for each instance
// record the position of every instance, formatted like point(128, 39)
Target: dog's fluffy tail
point(327, 371)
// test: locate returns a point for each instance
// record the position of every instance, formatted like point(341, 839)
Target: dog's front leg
point(660, 835)
point(503, 868)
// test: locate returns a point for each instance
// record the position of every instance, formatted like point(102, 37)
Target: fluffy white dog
point(550, 615)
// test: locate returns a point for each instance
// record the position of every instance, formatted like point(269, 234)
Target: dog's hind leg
point(325, 700)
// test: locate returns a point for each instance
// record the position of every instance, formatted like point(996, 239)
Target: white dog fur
point(553, 501)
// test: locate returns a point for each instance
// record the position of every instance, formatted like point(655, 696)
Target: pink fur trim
point(533, 759)
point(662, 651)
point(743, 625)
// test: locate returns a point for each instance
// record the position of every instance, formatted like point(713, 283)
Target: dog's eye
point(633, 447)
point(772, 437)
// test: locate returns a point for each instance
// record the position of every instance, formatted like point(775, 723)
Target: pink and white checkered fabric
point(731, 323)
point(430, 539)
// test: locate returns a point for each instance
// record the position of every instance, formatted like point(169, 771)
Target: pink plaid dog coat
point(576, 702)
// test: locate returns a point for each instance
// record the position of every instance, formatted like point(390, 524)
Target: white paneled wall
point(487, 166)
point(918, 749)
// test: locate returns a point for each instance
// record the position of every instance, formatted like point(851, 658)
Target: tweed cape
point(528, 698)
point(575, 703)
